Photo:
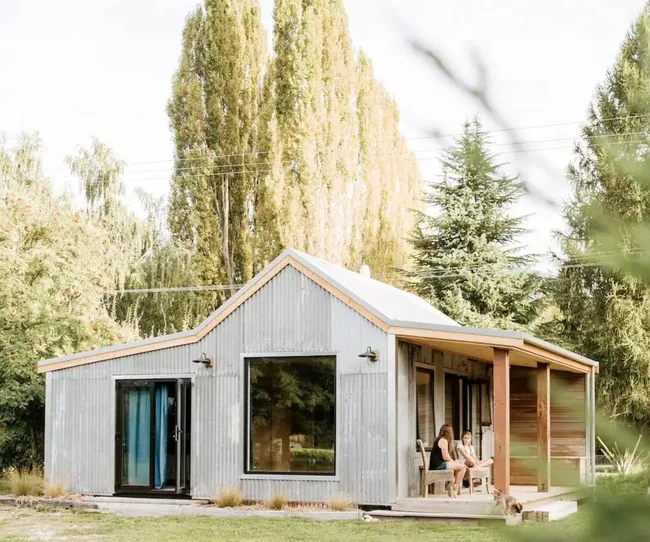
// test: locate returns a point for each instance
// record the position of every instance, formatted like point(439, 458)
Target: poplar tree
point(326, 169)
point(604, 288)
point(343, 176)
point(466, 258)
point(389, 185)
point(214, 115)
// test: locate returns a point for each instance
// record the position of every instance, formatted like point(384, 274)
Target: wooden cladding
point(565, 471)
point(568, 426)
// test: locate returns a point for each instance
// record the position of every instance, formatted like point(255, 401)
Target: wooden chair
point(428, 477)
point(482, 474)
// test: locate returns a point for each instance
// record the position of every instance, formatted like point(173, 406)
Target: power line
point(425, 158)
point(209, 160)
point(262, 153)
point(499, 130)
point(216, 288)
point(442, 275)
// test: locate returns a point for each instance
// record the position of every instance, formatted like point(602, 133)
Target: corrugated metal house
point(270, 393)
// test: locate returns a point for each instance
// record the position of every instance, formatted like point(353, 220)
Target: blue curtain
point(138, 436)
point(160, 453)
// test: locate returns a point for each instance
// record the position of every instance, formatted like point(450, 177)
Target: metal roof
point(385, 304)
point(390, 304)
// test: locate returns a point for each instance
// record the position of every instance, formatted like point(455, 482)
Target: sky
point(74, 68)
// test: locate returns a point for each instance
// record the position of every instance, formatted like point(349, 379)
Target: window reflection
point(292, 409)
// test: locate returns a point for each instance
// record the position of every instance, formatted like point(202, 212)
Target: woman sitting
point(467, 453)
point(441, 459)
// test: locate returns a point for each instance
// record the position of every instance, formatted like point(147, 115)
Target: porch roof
point(479, 343)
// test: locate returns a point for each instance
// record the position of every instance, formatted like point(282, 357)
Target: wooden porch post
point(543, 427)
point(501, 397)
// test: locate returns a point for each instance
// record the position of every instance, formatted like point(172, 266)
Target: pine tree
point(466, 261)
point(214, 115)
point(605, 308)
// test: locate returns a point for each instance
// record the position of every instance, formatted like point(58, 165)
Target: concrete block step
point(550, 511)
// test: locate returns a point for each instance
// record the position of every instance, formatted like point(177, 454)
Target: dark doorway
point(467, 408)
point(152, 438)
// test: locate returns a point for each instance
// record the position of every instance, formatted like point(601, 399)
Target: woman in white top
point(467, 453)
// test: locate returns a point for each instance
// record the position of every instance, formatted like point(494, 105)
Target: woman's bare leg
point(459, 473)
point(485, 463)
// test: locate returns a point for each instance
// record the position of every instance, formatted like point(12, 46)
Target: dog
point(508, 503)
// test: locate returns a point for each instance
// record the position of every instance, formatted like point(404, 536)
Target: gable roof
point(382, 304)
point(391, 309)
point(387, 302)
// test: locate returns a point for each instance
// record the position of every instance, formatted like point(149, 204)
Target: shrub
point(623, 484)
point(54, 489)
point(229, 497)
point(277, 501)
point(23, 484)
point(339, 503)
point(626, 461)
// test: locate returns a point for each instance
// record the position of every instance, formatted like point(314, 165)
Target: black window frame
point(248, 441)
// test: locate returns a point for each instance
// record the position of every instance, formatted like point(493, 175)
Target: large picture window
point(291, 414)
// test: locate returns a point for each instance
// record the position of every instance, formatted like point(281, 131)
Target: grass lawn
point(621, 513)
point(24, 524)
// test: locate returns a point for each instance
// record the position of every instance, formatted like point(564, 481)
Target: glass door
point(135, 421)
point(152, 436)
point(182, 435)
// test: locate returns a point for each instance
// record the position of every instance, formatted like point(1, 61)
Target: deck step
point(551, 511)
point(446, 517)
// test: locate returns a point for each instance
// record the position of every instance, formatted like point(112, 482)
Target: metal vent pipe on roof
point(364, 271)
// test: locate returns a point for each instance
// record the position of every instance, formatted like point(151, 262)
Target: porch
point(529, 406)
point(479, 503)
point(479, 508)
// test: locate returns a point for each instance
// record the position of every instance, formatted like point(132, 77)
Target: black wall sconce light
point(207, 362)
point(370, 354)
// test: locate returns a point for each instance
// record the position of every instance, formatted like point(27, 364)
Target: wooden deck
point(482, 504)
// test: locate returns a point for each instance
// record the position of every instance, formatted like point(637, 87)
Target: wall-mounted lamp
point(207, 362)
point(371, 354)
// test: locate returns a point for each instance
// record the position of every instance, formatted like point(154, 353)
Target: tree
point(604, 300)
point(140, 253)
point(163, 264)
point(466, 261)
point(343, 177)
point(390, 182)
point(214, 114)
point(51, 296)
point(320, 164)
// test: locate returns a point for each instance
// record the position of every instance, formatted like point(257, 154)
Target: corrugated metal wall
point(289, 314)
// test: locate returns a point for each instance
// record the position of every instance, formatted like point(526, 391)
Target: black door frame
point(181, 460)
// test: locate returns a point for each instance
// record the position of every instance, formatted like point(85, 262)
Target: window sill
point(327, 478)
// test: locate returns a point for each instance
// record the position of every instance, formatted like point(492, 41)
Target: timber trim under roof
point(402, 329)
